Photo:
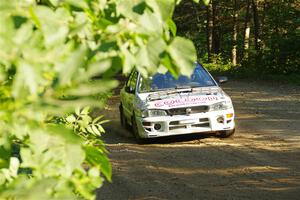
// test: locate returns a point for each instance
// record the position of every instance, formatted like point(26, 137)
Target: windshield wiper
point(183, 87)
point(206, 89)
point(159, 93)
point(161, 89)
point(168, 91)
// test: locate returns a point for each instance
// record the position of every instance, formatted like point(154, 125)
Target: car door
point(128, 95)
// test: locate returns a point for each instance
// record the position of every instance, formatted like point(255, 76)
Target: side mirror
point(222, 79)
point(129, 89)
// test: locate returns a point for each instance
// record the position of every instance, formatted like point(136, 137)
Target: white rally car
point(162, 105)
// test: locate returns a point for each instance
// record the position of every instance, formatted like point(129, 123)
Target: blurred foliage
point(51, 51)
point(279, 37)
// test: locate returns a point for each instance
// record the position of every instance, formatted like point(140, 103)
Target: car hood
point(181, 98)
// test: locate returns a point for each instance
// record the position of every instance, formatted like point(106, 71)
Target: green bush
point(51, 50)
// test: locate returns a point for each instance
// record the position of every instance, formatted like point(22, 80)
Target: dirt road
point(262, 160)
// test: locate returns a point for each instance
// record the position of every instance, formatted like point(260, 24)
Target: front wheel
point(226, 134)
point(135, 131)
point(122, 118)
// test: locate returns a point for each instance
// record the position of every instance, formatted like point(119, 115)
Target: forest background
point(258, 39)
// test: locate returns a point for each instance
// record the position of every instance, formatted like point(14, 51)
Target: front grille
point(201, 123)
point(203, 120)
point(188, 110)
point(176, 127)
point(174, 123)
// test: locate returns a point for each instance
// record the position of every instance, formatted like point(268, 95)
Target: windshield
point(157, 82)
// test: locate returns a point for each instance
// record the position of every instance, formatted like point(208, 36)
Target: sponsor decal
point(185, 101)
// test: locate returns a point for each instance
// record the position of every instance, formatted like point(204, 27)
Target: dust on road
point(261, 161)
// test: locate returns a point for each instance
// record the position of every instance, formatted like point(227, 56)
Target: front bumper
point(213, 121)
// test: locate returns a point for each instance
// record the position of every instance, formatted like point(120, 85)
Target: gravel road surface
point(261, 161)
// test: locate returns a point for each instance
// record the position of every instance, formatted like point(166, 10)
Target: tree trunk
point(234, 35)
point(247, 31)
point(209, 29)
point(216, 30)
point(262, 22)
point(256, 25)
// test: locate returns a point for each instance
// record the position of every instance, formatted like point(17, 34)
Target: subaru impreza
point(162, 105)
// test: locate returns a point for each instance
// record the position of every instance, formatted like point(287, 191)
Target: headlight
point(224, 105)
point(154, 113)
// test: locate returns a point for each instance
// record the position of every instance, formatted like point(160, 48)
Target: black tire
point(226, 134)
point(138, 138)
point(122, 117)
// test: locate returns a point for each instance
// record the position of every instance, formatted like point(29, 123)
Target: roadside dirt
point(261, 161)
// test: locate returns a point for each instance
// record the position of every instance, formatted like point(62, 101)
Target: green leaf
point(53, 24)
point(77, 110)
point(27, 78)
point(71, 118)
point(149, 56)
point(79, 25)
point(77, 3)
point(3, 158)
point(98, 67)
point(95, 130)
point(172, 27)
point(86, 120)
point(131, 9)
point(89, 129)
point(103, 122)
point(24, 33)
point(14, 166)
point(100, 128)
point(51, 105)
point(129, 60)
point(166, 63)
point(54, 2)
point(97, 158)
point(85, 110)
point(68, 69)
point(97, 119)
point(94, 87)
point(206, 2)
point(73, 156)
point(94, 172)
point(151, 23)
point(183, 53)
point(162, 8)
point(63, 133)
